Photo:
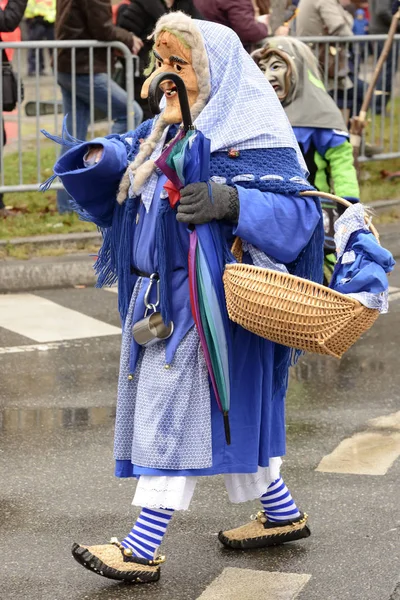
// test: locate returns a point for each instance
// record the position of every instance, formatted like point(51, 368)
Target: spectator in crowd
point(239, 15)
point(40, 16)
point(328, 17)
point(361, 24)
point(293, 71)
point(278, 20)
point(140, 17)
point(11, 14)
point(351, 6)
point(282, 15)
point(322, 17)
point(261, 7)
point(85, 20)
point(381, 18)
point(10, 18)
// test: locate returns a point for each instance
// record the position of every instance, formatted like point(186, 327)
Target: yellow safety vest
point(41, 8)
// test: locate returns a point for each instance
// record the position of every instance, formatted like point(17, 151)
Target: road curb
point(382, 205)
point(55, 240)
point(41, 273)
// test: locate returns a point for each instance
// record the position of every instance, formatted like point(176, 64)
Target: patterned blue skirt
point(164, 413)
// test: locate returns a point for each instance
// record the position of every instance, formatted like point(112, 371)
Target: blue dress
point(275, 220)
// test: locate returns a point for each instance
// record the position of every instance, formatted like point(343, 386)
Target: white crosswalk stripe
point(43, 321)
point(248, 584)
point(43, 347)
point(370, 452)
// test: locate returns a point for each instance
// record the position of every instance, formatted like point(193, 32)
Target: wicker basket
point(293, 311)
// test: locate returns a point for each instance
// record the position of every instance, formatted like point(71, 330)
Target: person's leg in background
point(82, 121)
point(30, 23)
point(49, 35)
point(41, 35)
point(119, 99)
point(3, 211)
point(36, 31)
point(350, 100)
point(385, 81)
point(101, 84)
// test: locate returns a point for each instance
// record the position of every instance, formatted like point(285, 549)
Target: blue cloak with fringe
point(273, 217)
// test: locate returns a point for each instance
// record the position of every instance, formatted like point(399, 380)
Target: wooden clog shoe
point(260, 532)
point(114, 561)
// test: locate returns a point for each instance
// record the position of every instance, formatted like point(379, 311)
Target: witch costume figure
point(319, 127)
point(169, 430)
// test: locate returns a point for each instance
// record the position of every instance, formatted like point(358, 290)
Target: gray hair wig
point(299, 51)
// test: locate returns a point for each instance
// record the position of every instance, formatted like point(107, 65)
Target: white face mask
point(275, 70)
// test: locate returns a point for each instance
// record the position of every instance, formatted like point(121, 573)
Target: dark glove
point(199, 206)
point(395, 6)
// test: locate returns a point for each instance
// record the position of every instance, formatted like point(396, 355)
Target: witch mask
point(276, 71)
point(172, 54)
point(280, 71)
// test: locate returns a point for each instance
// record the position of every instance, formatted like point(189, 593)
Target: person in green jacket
point(293, 71)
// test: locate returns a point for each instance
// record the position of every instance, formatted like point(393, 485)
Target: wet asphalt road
point(57, 484)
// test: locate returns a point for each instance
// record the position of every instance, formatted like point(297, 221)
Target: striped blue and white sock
point(148, 532)
point(278, 504)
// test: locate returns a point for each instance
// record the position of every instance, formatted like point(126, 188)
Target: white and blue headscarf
point(241, 111)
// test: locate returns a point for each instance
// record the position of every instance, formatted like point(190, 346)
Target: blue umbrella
point(187, 160)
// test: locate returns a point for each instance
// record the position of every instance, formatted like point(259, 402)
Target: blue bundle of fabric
point(363, 265)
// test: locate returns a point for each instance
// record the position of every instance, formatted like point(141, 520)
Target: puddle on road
point(322, 369)
point(317, 381)
point(50, 419)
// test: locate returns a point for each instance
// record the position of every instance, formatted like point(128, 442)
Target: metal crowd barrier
point(382, 133)
point(42, 97)
point(383, 130)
